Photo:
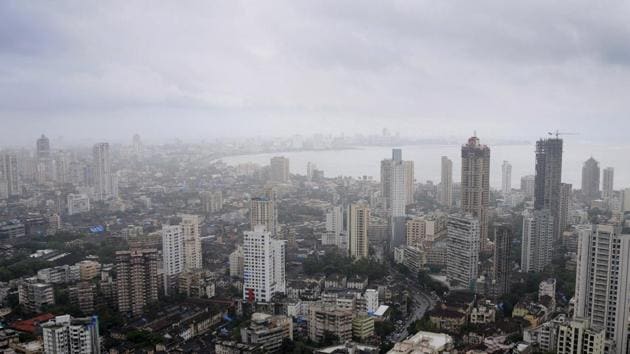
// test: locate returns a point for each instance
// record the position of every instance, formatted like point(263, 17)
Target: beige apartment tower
point(476, 185)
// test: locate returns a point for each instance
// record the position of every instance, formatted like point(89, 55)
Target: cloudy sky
point(202, 69)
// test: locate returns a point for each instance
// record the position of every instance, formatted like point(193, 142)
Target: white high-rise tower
point(602, 283)
point(264, 265)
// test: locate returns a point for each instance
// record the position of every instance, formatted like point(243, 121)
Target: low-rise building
point(33, 295)
point(447, 320)
point(323, 319)
point(579, 337)
point(482, 314)
point(545, 336)
point(424, 343)
point(363, 327)
point(268, 331)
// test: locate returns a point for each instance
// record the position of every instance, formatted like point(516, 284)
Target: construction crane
point(557, 133)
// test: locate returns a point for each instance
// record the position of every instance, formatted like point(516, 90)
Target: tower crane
point(557, 133)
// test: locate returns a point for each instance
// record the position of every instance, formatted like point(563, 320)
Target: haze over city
point(314, 177)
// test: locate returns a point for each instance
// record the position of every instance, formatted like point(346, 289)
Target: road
point(422, 302)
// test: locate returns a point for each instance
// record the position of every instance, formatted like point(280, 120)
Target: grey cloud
point(425, 67)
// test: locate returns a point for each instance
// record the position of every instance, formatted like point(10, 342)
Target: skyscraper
point(358, 221)
point(446, 183)
point(65, 334)
point(262, 211)
point(501, 258)
point(279, 167)
point(173, 249)
point(102, 171)
point(335, 229)
point(476, 185)
point(528, 185)
point(397, 182)
point(192, 242)
point(548, 179)
point(462, 250)
point(536, 246)
point(409, 182)
point(44, 163)
point(590, 179)
point(506, 178)
point(264, 265)
point(565, 201)
point(9, 174)
point(395, 189)
point(136, 279)
point(602, 283)
point(607, 183)
point(43, 148)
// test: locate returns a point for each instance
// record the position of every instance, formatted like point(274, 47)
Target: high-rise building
point(625, 200)
point(335, 234)
point(396, 189)
point(565, 202)
point(136, 279)
point(66, 334)
point(578, 337)
point(608, 178)
point(548, 179)
point(537, 242)
point(44, 162)
point(137, 146)
point(602, 283)
point(103, 188)
point(192, 242)
point(236, 260)
point(476, 185)
point(409, 182)
point(446, 183)
point(173, 249)
point(43, 148)
point(590, 179)
point(9, 174)
point(310, 170)
point(279, 167)
point(462, 250)
point(506, 178)
point(264, 265)
point(501, 258)
point(527, 185)
point(211, 202)
point(397, 183)
point(263, 212)
point(358, 221)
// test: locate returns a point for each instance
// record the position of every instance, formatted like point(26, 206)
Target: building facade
point(602, 284)
point(136, 280)
point(446, 182)
point(462, 250)
point(358, 221)
point(264, 265)
point(475, 184)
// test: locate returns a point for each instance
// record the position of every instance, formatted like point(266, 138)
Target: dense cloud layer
point(198, 69)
